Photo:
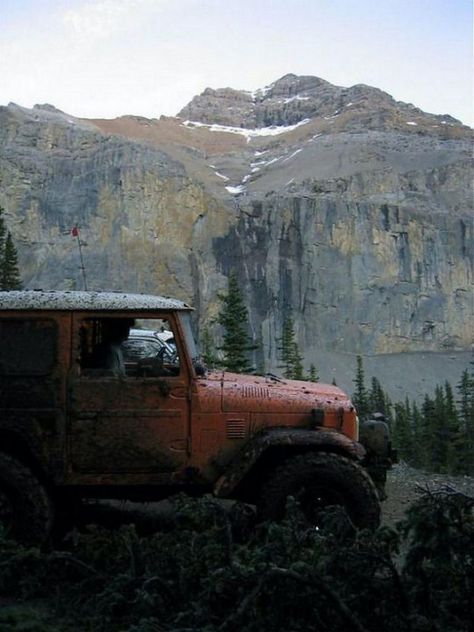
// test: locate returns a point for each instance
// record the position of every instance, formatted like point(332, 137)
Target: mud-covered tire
point(26, 509)
point(318, 480)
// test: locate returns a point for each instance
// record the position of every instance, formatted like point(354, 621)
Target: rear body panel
point(33, 391)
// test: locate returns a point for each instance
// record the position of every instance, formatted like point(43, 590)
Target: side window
point(27, 346)
point(150, 350)
point(127, 348)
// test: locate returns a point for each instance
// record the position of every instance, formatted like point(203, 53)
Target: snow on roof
point(274, 130)
point(96, 301)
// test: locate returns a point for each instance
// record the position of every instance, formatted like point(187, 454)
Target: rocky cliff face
point(135, 206)
point(340, 205)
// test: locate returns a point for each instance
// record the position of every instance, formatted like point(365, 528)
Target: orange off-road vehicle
point(88, 410)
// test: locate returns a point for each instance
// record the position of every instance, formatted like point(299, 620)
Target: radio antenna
point(75, 233)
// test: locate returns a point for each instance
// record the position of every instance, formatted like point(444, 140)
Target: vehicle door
point(135, 423)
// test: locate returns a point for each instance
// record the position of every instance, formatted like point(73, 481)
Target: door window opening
point(127, 348)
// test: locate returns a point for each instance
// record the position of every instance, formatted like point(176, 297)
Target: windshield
point(185, 318)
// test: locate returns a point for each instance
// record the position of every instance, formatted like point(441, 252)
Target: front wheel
point(318, 481)
point(26, 510)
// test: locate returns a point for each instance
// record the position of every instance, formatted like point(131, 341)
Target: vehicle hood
point(241, 393)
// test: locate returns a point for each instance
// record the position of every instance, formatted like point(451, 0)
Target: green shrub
point(212, 571)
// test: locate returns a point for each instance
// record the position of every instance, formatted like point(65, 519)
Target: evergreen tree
point(439, 432)
point(402, 434)
point(417, 424)
point(465, 452)
point(451, 429)
point(233, 318)
point(290, 356)
point(378, 400)
point(442, 424)
point(439, 452)
point(10, 275)
point(313, 374)
point(428, 433)
point(208, 346)
point(360, 397)
point(2, 234)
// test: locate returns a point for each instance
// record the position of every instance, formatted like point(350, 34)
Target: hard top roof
point(93, 301)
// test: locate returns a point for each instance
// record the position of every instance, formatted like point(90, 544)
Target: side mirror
point(199, 367)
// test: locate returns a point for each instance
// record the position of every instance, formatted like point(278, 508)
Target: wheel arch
point(244, 475)
point(319, 480)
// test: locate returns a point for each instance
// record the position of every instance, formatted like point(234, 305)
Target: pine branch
point(350, 620)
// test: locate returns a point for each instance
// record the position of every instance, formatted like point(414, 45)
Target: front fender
point(283, 437)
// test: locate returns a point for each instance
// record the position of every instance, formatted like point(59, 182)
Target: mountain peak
point(286, 101)
point(47, 107)
point(292, 99)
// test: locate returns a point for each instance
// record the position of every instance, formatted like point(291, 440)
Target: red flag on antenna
point(75, 231)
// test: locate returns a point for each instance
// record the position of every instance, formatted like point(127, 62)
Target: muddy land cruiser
point(74, 424)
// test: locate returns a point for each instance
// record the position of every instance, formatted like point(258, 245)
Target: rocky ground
point(405, 484)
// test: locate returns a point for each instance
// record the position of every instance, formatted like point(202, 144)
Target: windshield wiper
point(274, 377)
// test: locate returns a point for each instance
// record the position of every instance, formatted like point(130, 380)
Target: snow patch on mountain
point(292, 155)
point(274, 130)
point(297, 97)
point(236, 190)
point(260, 93)
point(221, 175)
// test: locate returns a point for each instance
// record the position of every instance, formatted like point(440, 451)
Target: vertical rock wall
point(357, 277)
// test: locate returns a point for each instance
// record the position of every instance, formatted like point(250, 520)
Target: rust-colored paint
point(229, 409)
point(128, 429)
point(93, 431)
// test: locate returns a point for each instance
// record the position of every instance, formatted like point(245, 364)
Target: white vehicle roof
point(94, 301)
point(167, 336)
point(151, 333)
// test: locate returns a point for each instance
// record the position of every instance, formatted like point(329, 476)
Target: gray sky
point(105, 58)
